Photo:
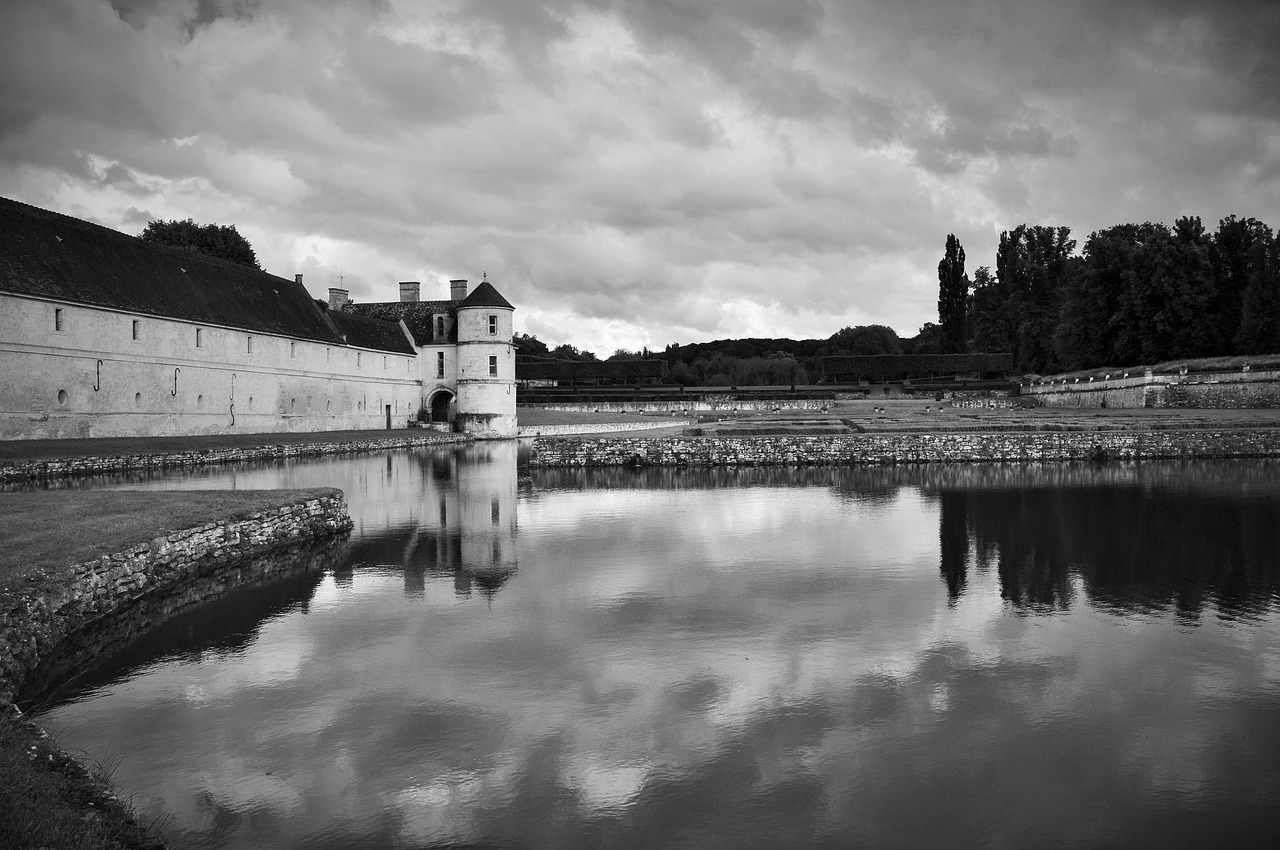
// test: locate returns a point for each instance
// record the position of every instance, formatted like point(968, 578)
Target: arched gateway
point(439, 405)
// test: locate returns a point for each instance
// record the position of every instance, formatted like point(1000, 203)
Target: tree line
point(1134, 294)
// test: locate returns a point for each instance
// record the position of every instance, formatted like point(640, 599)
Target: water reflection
point(713, 658)
point(464, 525)
point(1184, 536)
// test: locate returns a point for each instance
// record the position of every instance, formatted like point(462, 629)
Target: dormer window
point(493, 325)
point(439, 327)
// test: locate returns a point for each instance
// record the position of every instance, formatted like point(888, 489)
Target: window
point(358, 358)
point(137, 330)
point(384, 363)
point(59, 320)
point(199, 337)
point(439, 364)
point(328, 355)
point(439, 327)
point(493, 366)
point(493, 325)
point(248, 345)
point(293, 350)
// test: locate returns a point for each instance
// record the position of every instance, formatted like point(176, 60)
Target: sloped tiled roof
point(366, 332)
point(49, 255)
point(485, 295)
point(416, 315)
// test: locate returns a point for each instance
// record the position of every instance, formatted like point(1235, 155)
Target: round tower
point(486, 403)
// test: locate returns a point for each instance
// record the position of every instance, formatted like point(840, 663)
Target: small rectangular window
point(493, 366)
point(439, 327)
point(439, 364)
point(358, 359)
point(248, 345)
point(137, 330)
point(59, 320)
point(328, 355)
point(384, 363)
point(293, 350)
point(493, 324)
point(199, 337)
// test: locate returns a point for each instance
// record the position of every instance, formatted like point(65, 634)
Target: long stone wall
point(903, 448)
point(600, 427)
point(1237, 389)
point(713, 402)
point(37, 619)
point(94, 465)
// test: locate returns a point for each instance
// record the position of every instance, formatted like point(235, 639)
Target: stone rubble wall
point(722, 403)
point(1220, 390)
point(903, 448)
point(600, 427)
point(36, 619)
point(91, 465)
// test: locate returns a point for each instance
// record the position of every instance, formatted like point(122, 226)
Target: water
point(994, 656)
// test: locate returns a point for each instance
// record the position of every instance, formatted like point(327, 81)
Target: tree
point(1096, 323)
point(217, 240)
point(1233, 256)
point(529, 345)
point(986, 317)
point(953, 297)
point(865, 339)
point(1260, 302)
point(1032, 263)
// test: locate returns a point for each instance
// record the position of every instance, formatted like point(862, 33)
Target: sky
point(635, 173)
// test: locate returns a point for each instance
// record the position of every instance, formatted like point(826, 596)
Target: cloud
point(639, 173)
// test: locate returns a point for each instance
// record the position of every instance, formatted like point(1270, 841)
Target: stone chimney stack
point(457, 290)
point(409, 291)
point(297, 278)
point(338, 298)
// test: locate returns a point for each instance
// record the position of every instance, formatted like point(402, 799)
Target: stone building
point(103, 334)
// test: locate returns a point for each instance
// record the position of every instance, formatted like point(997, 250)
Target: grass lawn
point(43, 532)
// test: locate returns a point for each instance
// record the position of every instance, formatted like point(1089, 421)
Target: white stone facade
point(76, 361)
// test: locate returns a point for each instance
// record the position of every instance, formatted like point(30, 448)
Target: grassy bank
point(47, 798)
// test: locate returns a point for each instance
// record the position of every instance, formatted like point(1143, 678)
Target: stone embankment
point(1242, 389)
point(37, 618)
point(904, 448)
point(95, 465)
point(600, 427)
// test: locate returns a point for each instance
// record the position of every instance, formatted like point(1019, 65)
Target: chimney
point(409, 291)
point(338, 298)
point(457, 290)
point(297, 278)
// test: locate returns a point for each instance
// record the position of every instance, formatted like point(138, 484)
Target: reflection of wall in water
point(463, 523)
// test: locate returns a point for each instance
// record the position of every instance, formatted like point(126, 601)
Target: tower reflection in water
point(462, 527)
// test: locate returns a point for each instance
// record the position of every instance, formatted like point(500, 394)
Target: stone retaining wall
point(1231, 390)
point(36, 619)
point(600, 427)
point(77, 466)
point(726, 403)
point(903, 448)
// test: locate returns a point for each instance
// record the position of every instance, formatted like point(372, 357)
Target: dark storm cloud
point(646, 170)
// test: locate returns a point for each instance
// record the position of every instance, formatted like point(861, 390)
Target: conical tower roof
point(485, 295)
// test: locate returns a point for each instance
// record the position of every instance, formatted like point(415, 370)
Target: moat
point(966, 655)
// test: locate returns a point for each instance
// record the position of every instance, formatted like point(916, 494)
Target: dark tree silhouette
point(953, 297)
point(217, 240)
